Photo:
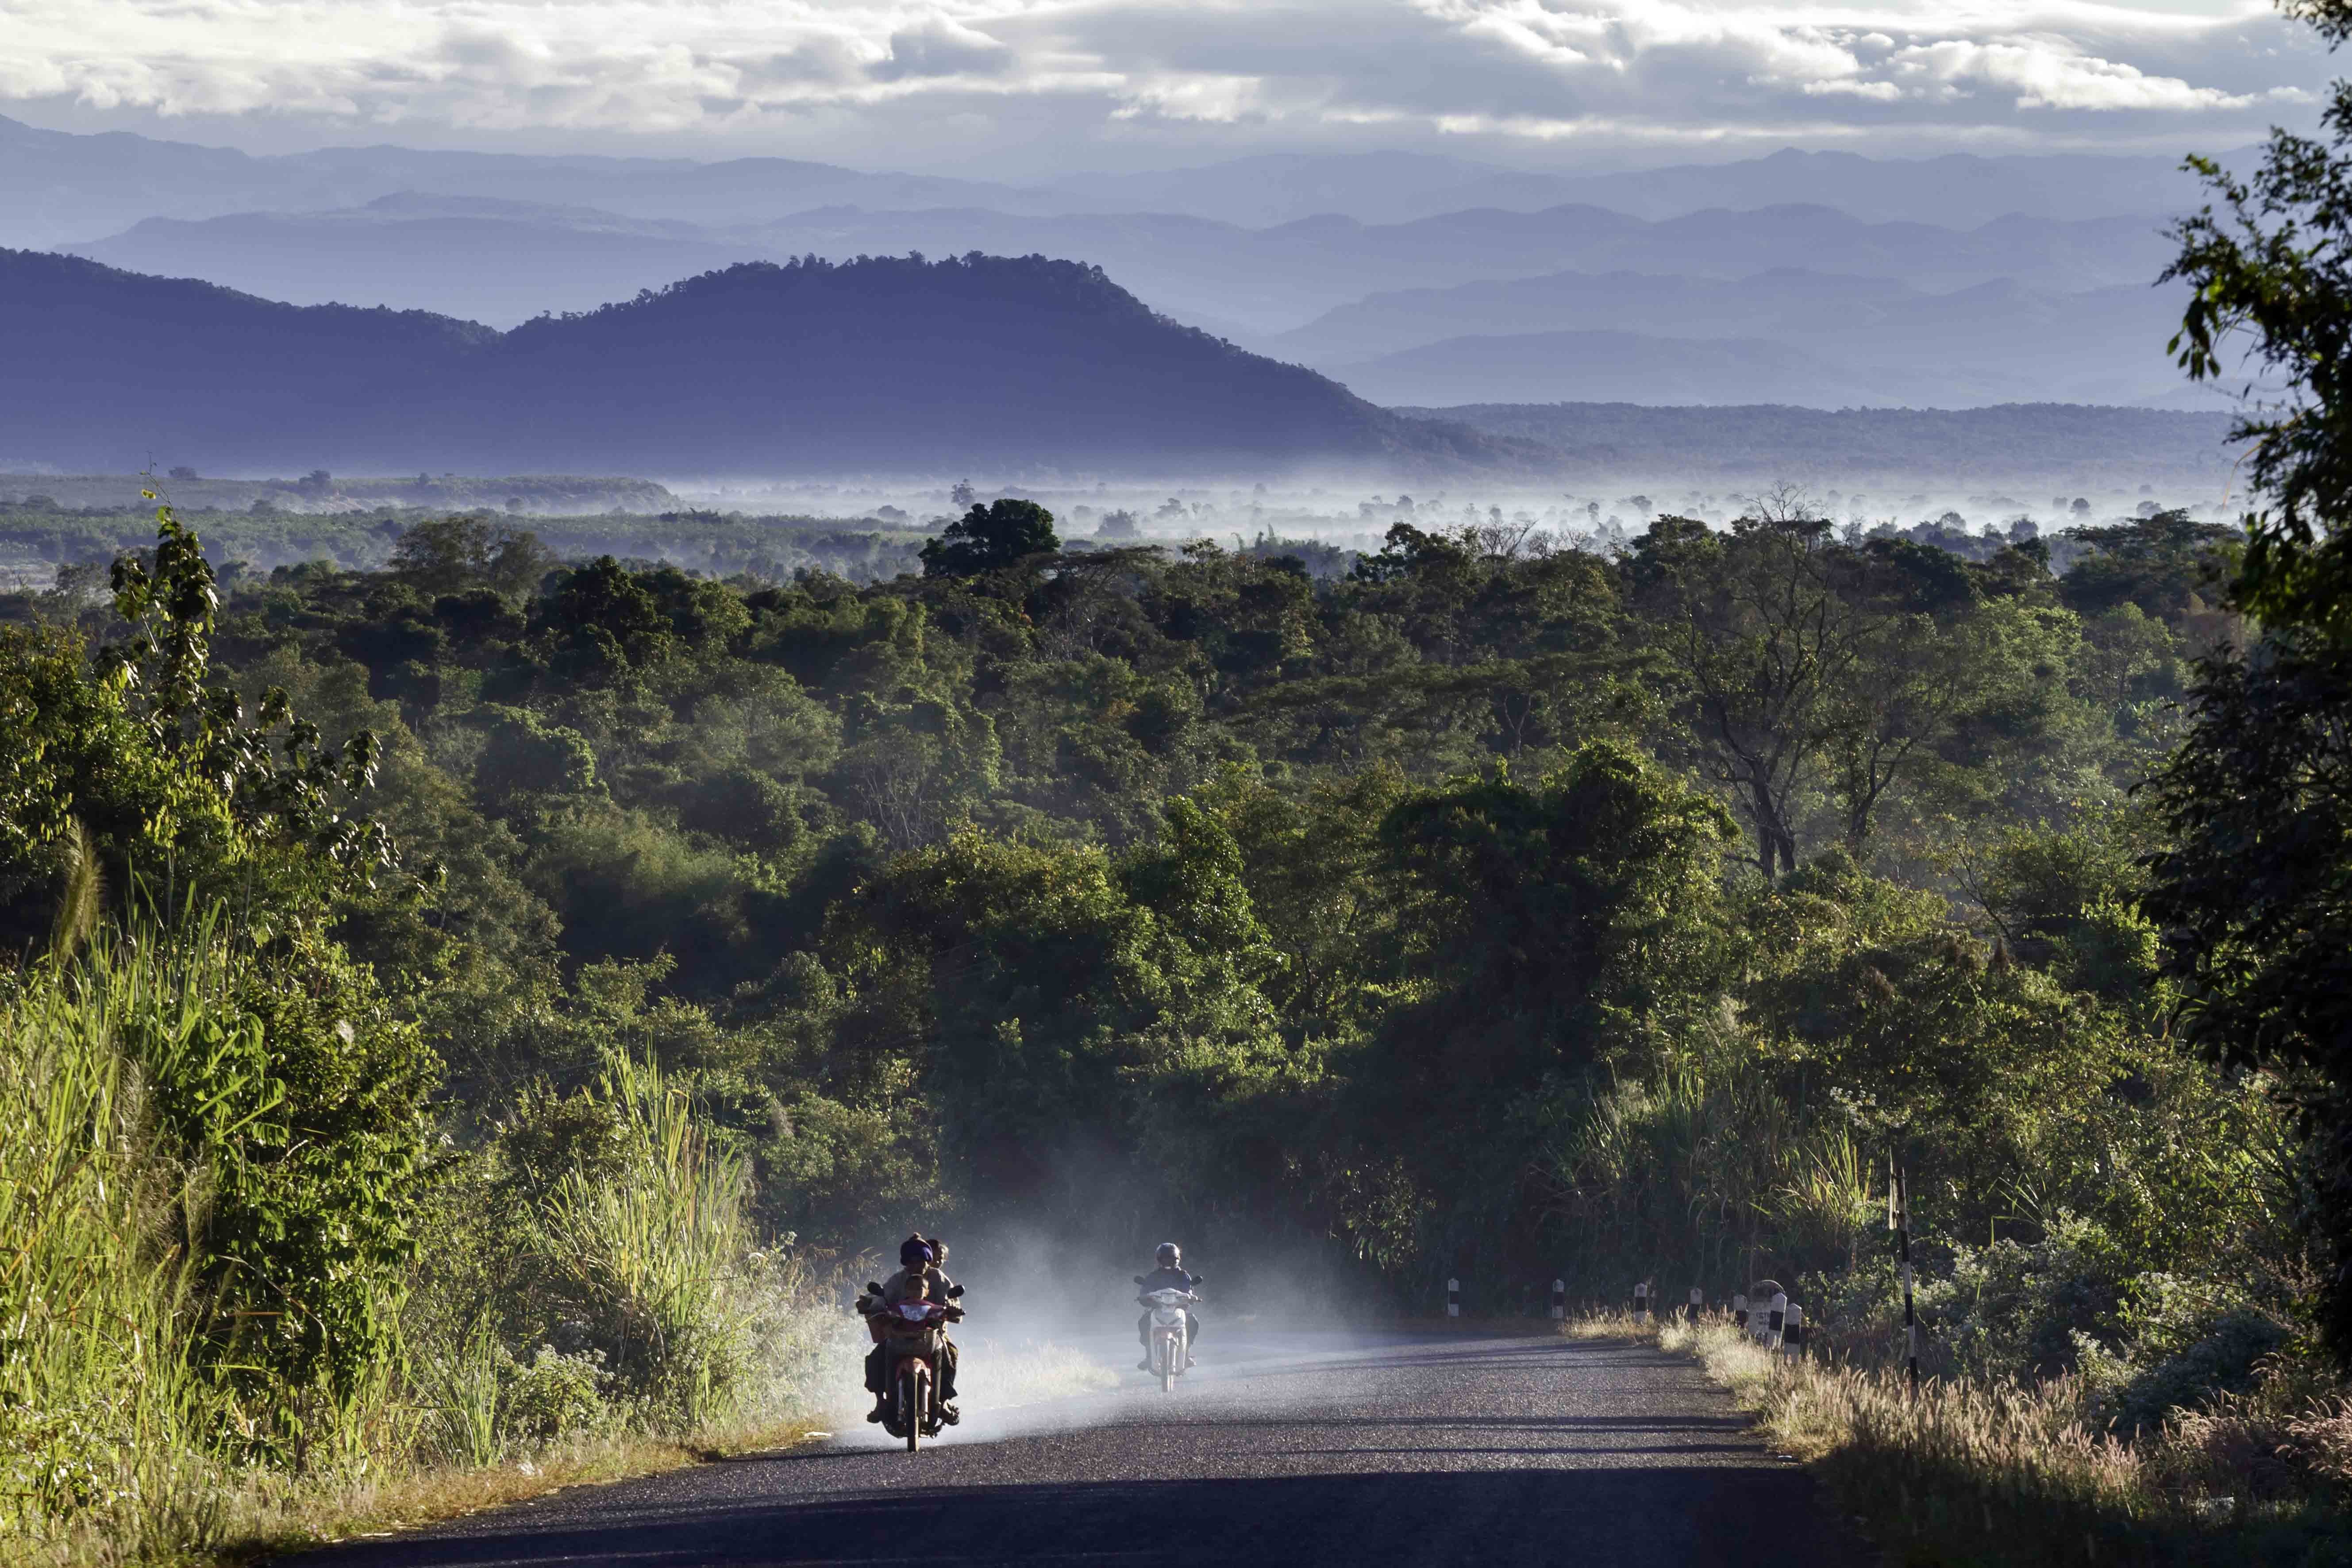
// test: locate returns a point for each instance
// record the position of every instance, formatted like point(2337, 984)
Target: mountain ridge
point(1263, 281)
point(68, 188)
point(756, 368)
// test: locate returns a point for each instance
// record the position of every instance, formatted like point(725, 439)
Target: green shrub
point(2015, 1311)
point(554, 1396)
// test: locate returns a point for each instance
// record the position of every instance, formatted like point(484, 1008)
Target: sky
point(1031, 89)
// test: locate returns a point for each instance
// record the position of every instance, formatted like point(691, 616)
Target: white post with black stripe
point(1793, 1336)
point(1640, 1300)
point(1559, 1301)
point(1779, 1318)
point(1698, 1303)
point(1898, 1220)
point(1453, 1298)
point(1739, 1310)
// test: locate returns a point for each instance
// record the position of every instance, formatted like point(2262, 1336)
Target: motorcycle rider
point(918, 1279)
point(1168, 1275)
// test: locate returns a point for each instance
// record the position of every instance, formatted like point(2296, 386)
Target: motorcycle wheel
point(913, 1404)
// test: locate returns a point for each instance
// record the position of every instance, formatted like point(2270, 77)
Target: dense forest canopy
point(552, 970)
point(1329, 909)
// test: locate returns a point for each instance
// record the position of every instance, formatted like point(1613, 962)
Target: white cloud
point(2051, 73)
point(942, 46)
point(959, 75)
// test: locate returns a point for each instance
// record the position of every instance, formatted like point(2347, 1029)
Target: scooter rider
point(918, 1279)
point(1168, 1275)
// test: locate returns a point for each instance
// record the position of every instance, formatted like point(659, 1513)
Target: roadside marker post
point(1779, 1318)
point(1698, 1303)
point(1559, 1301)
point(1453, 1298)
point(1898, 1220)
point(1640, 1300)
point(1792, 1337)
point(1739, 1310)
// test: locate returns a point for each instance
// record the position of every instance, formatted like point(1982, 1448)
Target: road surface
point(1282, 1450)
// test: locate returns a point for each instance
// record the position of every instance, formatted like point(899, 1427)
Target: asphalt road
point(1399, 1449)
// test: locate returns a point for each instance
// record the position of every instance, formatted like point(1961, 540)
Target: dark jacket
point(1167, 1280)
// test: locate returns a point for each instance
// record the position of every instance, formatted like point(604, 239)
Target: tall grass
point(662, 1246)
point(1706, 1174)
point(118, 1446)
point(100, 1408)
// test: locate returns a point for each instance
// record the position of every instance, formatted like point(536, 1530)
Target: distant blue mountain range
point(891, 365)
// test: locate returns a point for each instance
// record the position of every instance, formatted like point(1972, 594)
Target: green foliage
point(525, 754)
point(2254, 885)
point(1573, 892)
point(1491, 910)
point(95, 1387)
point(2007, 1308)
point(161, 766)
point(988, 538)
point(648, 1242)
point(452, 556)
point(2270, 281)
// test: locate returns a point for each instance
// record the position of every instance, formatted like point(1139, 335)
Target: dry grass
point(1976, 1472)
point(263, 1513)
point(271, 1514)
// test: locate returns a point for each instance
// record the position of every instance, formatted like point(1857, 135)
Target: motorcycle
point(1170, 1333)
point(915, 1335)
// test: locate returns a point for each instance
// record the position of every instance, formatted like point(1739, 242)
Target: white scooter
point(1170, 1331)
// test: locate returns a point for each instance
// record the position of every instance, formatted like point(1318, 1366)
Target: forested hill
point(894, 363)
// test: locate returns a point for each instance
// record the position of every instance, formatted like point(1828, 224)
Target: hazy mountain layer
point(1794, 304)
point(1277, 278)
point(1630, 367)
point(1841, 340)
point(1263, 282)
point(494, 261)
point(60, 187)
point(890, 364)
point(1959, 190)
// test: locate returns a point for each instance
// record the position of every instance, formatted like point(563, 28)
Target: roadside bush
point(2186, 1339)
point(555, 1396)
point(2012, 1311)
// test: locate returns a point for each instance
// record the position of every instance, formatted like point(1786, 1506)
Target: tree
point(603, 624)
point(145, 757)
point(2273, 279)
point(1542, 930)
point(1944, 660)
point(2257, 888)
point(452, 554)
point(2166, 563)
point(989, 537)
point(1755, 627)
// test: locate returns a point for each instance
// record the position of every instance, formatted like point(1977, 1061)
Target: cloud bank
point(950, 76)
